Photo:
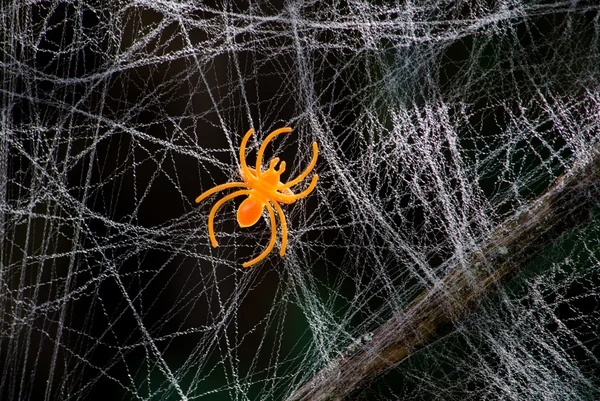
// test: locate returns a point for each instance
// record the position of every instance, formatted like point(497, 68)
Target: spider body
point(263, 189)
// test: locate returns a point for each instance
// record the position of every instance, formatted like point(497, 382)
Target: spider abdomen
point(249, 211)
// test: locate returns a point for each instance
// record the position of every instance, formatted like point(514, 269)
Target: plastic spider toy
point(264, 189)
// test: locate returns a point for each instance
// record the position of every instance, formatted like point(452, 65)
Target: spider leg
point(252, 174)
point(292, 198)
point(218, 188)
point(245, 169)
point(263, 146)
point(284, 232)
point(269, 248)
point(213, 211)
point(306, 172)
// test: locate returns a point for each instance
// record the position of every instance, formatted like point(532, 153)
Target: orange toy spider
point(263, 189)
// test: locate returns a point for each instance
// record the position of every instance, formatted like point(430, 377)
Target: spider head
point(271, 176)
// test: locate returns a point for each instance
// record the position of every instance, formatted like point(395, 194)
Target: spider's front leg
point(245, 170)
point(306, 172)
point(263, 146)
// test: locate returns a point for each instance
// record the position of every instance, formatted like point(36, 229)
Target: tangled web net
point(435, 121)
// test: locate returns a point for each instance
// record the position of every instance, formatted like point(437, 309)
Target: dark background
point(67, 329)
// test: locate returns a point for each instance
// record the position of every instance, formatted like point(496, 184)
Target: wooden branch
point(513, 244)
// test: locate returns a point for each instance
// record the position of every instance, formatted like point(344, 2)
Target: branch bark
point(514, 243)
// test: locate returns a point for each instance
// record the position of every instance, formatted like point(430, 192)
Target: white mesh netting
point(436, 122)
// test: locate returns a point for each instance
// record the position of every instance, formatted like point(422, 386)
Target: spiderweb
point(436, 122)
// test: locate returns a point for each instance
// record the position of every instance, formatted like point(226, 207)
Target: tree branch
point(513, 244)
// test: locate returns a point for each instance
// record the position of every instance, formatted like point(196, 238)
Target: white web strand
point(435, 122)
